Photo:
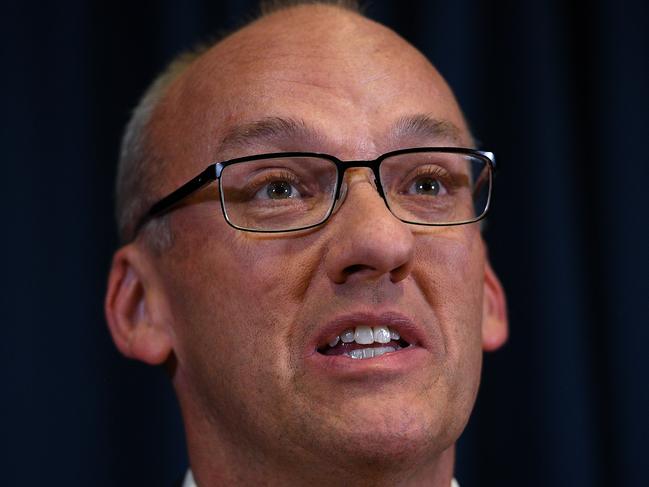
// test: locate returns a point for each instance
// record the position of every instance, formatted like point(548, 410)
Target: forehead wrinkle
point(425, 126)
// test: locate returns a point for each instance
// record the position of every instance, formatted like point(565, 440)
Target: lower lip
point(395, 364)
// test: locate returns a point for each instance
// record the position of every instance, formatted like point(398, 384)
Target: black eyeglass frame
point(213, 173)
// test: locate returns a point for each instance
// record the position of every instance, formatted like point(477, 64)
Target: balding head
point(201, 91)
point(140, 160)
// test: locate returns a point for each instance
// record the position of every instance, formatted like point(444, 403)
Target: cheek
point(235, 304)
point(450, 273)
point(449, 268)
point(237, 296)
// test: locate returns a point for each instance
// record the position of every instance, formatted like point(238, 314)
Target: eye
point(277, 190)
point(427, 186)
point(431, 180)
point(277, 187)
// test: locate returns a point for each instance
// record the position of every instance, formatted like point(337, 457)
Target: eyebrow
point(279, 130)
point(269, 130)
point(426, 127)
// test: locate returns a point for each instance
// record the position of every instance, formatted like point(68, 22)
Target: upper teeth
point(366, 335)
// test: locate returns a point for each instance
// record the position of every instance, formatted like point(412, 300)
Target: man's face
point(249, 311)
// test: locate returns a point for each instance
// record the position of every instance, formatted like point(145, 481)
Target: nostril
point(353, 269)
point(397, 273)
point(345, 273)
point(400, 273)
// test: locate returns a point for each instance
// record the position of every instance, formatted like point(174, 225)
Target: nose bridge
point(367, 240)
point(373, 166)
point(371, 175)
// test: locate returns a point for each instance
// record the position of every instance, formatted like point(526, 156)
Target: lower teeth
point(363, 353)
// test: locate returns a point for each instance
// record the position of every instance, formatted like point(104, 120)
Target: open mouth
point(364, 342)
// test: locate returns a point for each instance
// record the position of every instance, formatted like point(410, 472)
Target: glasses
point(290, 191)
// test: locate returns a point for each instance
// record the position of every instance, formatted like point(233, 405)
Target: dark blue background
point(558, 89)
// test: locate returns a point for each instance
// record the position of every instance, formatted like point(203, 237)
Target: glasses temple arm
point(171, 200)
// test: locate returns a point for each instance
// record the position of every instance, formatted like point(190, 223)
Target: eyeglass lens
point(280, 194)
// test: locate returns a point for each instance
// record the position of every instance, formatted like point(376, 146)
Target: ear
point(494, 312)
point(134, 310)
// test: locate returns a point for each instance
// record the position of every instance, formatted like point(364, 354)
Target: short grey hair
point(134, 188)
point(137, 156)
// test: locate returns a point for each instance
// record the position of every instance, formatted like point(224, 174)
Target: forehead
point(347, 78)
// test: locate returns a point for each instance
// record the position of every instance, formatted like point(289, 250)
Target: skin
point(233, 310)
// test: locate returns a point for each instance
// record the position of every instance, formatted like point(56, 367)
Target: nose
point(367, 240)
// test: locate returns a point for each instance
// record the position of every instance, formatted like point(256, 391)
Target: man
point(322, 321)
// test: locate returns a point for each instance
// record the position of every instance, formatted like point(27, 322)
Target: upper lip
point(408, 329)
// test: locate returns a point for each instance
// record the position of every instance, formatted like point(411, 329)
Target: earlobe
point(494, 314)
point(135, 323)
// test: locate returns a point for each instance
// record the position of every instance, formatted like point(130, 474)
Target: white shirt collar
point(190, 482)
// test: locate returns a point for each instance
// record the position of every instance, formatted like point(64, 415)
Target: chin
point(394, 433)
